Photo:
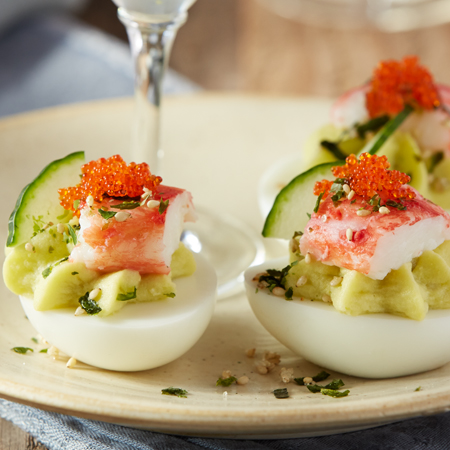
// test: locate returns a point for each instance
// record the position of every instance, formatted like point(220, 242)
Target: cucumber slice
point(290, 210)
point(40, 197)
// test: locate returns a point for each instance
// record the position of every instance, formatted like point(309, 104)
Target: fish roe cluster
point(397, 83)
point(110, 177)
point(369, 176)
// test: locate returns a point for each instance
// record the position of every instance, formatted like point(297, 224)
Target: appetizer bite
point(369, 257)
point(93, 257)
point(401, 113)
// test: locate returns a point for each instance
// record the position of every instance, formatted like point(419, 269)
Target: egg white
point(140, 336)
point(370, 345)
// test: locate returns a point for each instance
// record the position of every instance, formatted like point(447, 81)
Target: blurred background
point(63, 51)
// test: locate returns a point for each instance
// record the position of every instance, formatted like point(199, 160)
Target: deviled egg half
point(366, 288)
point(99, 267)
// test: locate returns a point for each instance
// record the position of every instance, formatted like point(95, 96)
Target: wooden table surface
point(239, 45)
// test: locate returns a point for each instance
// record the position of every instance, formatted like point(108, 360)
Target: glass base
point(228, 244)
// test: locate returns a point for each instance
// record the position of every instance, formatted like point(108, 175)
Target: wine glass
point(152, 26)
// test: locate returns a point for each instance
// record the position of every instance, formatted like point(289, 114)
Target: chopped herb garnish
point(76, 204)
point(126, 205)
point(335, 384)
point(333, 147)
point(319, 198)
point(418, 389)
point(44, 350)
point(170, 294)
point(281, 393)
point(34, 340)
point(226, 381)
point(321, 376)
point(74, 273)
point(47, 271)
point(107, 214)
point(334, 393)
point(73, 235)
point(314, 388)
point(51, 249)
point(22, 350)
point(397, 205)
point(300, 381)
point(276, 278)
point(309, 215)
point(297, 233)
point(163, 204)
point(89, 305)
point(177, 392)
point(127, 296)
point(289, 293)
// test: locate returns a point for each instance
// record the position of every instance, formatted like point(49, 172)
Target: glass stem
point(150, 45)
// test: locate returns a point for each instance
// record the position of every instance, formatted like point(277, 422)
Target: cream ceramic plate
point(221, 147)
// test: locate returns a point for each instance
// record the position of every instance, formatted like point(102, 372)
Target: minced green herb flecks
point(281, 393)
point(226, 381)
point(127, 296)
point(22, 350)
point(90, 306)
point(177, 392)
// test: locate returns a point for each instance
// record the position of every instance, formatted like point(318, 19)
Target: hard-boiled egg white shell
point(370, 345)
point(141, 335)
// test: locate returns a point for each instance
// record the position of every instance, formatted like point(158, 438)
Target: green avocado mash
point(409, 291)
point(46, 275)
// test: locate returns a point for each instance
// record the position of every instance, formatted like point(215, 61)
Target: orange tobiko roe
point(397, 83)
point(369, 177)
point(109, 178)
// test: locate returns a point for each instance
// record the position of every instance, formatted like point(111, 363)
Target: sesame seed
point(286, 375)
point(351, 194)
point(53, 352)
point(308, 258)
point(336, 281)
point(146, 191)
point(349, 234)
point(71, 363)
point(94, 293)
point(61, 227)
point(90, 200)
point(121, 216)
point(250, 352)
point(326, 298)
point(363, 212)
point(242, 380)
point(346, 188)
point(307, 380)
point(302, 281)
point(324, 218)
point(262, 369)
point(278, 291)
point(29, 247)
point(152, 203)
point(80, 311)
point(226, 374)
point(225, 395)
point(384, 210)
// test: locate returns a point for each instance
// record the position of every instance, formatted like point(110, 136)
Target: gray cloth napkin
point(58, 432)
